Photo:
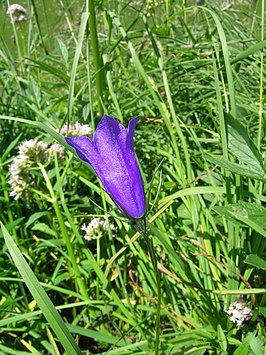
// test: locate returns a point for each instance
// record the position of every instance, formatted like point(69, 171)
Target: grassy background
point(195, 75)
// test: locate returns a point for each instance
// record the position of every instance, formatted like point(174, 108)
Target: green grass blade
point(41, 297)
point(84, 19)
point(235, 168)
point(99, 336)
point(256, 261)
point(225, 50)
point(241, 145)
point(248, 52)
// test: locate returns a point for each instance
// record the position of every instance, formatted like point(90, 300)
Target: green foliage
point(194, 74)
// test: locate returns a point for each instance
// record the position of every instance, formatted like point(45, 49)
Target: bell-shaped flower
point(111, 154)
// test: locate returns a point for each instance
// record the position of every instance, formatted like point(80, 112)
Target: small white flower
point(16, 8)
point(233, 319)
point(21, 18)
point(239, 311)
point(57, 148)
point(30, 153)
point(17, 13)
point(78, 129)
point(32, 146)
point(96, 228)
point(239, 322)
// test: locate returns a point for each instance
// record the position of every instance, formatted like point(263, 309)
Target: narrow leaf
point(262, 311)
point(41, 297)
point(221, 338)
point(235, 168)
point(244, 212)
point(249, 51)
point(34, 217)
point(99, 336)
point(256, 261)
point(242, 146)
point(42, 227)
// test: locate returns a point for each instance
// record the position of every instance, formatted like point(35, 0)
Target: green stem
point(65, 234)
point(97, 59)
point(159, 292)
point(261, 78)
point(15, 36)
point(69, 161)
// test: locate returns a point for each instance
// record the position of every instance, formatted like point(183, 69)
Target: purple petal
point(130, 135)
point(84, 148)
point(113, 159)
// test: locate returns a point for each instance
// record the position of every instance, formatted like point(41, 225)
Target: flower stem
point(65, 234)
point(159, 292)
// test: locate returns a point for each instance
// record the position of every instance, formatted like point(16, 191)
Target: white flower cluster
point(96, 228)
point(56, 148)
point(17, 13)
point(239, 312)
point(78, 129)
point(30, 153)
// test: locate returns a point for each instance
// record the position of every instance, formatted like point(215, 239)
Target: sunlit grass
point(194, 74)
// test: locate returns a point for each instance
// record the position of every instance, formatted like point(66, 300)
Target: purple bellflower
point(111, 154)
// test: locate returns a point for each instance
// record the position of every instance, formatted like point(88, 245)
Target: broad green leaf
point(256, 344)
point(249, 51)
point(262, 310)
point(235, 168)
point(251, 214)
point(242, 146)
point(224, 212)
point(221, 338)
point(252, 211)
point(34, 217)
point(233, 341)
point(42, 227)
point(242, 349)
point(256, 261)
point(41, 297)
point(251, 345)
point(62, 49)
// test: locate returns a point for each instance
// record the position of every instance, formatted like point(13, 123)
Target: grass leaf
point(242, 146)
point(256, 261)
point(41, 297)
point(235, 168)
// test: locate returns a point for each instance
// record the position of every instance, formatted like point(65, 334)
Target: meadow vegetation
point(76, 277)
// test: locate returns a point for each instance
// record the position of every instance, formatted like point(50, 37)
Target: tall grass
point(194, 74)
